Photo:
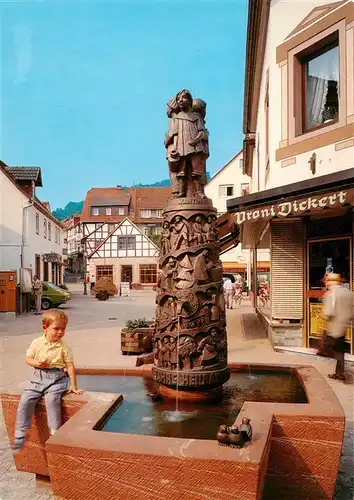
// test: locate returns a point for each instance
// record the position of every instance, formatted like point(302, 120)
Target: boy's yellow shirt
point(57, 354)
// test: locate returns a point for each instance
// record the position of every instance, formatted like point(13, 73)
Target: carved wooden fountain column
point(190, 346)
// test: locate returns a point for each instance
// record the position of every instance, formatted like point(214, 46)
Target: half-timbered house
point(118, 226)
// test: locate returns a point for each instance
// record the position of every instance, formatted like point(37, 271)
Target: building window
point(245, 188)
point(145, 214)
point(131, 242)
point(156, 213)
point(37, 223)
point(104, 272)
point(45, 228)
point(146, 231)
point(95, 211)
point(148, 273)
point(241, 164)
point(226, 190)
point(126, 243)
point(49, 231)
point(121, 211)
point(108, 211)
point(111, 227)
point(320, 92)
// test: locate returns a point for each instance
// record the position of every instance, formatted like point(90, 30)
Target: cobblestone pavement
point(94, 323)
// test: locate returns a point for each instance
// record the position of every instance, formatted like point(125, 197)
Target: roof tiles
point(26, 174)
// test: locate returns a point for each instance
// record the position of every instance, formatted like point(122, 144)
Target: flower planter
point(137, 341)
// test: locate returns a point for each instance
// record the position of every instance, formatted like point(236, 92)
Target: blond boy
point(54, 373)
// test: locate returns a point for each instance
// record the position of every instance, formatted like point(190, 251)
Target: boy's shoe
point(17, 444)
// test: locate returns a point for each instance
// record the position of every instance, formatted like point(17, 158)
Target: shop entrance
point(326, 256)
point(127, 274)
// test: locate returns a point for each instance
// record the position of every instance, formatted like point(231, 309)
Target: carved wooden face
point(184, 101)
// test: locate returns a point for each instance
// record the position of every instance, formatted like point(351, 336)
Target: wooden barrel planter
point(137, 341)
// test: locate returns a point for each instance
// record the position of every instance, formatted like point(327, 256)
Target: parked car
point(53, 295)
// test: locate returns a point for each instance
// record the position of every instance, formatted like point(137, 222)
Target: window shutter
point(287, 269)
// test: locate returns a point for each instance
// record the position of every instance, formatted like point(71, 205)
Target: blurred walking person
point(338, 310)
point(92, 281)
point(38, 290)
point(228, 292)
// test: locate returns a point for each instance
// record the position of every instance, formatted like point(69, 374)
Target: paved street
point(94, 333)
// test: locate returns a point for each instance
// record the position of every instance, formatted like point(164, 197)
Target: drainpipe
point(24, 240)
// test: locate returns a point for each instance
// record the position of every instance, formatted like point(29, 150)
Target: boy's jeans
point(50, 383)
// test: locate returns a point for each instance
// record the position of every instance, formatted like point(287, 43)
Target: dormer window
point(153, 213)
point(108, 211)
point(95, 211)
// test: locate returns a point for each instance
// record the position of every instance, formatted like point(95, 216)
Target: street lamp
point(85, 271)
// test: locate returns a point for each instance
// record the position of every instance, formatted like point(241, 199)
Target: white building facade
point(31, 239)
point(299, 150)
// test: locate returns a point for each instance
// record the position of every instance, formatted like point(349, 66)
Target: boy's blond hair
point(54, 315)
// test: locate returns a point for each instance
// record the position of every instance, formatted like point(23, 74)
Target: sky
point(84, 86)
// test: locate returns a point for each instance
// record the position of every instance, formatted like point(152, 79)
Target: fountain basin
point(294, 454)
point(183, 418)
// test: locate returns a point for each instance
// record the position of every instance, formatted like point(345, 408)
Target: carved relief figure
point(185, 145)
point(214, 309)
point(171, 303)
point(197, 237)
point(179, 233)
point(167, 276)
point(160, 353)
point(173, 354)
point(165, 238)
point(185, 277)
point(221, 300)
point(165, 350)
point(210, 230)
point(186, 349)
point(208, 348)
point(201, 266)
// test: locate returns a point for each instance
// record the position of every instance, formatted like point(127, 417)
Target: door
point(45, 271)
point(127, 274)
point(8, 291)
point(38, 266)
point(326, 256)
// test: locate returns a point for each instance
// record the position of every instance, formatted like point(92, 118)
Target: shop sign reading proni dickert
point(295, 207)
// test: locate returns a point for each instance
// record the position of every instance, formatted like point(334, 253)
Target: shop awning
point(300, 198)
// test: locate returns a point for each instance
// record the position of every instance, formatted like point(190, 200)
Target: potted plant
point(104, 288)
